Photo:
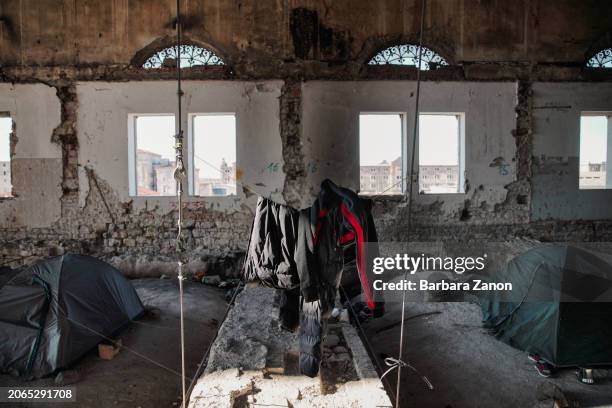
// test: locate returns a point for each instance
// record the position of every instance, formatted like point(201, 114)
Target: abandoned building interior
point(467, 126)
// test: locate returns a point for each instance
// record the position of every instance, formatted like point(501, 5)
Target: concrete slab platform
point(238, 374)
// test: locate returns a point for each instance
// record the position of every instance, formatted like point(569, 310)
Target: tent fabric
point(58, 309)
point(556, 308)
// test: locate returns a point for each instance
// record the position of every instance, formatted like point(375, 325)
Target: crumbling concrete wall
point(98, 215)
point(331, 128)
point(75, 72)
point(103, 128)
point(556, 150)
point(36, 160)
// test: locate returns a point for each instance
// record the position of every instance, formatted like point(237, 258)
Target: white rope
point(394, 363)
point(180, 279)
point(123, 346)
point(179, 177)
point(364, 337)
point(60, 310)
point(398, 362)
point(144, 357)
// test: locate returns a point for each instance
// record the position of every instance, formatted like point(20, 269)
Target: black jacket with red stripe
point(337, 219)
point(304, 252)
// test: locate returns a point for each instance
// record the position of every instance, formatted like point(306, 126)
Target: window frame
point(403, 153)
point(189, 52)
point(133, 149)
point(11, 194)
point(608, 115)
point(407, 54)
point(461, 151)
point(191, 152)
point(598, 55)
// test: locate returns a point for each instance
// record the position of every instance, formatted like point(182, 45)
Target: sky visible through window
point(380, 147)
point(214, 140)
point(380, 138)
point(6, 125)
point(593, 152)
point(438, 140)
point(213, 150)
point(155, 134)
point(593, 139)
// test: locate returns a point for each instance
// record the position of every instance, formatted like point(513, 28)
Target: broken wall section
point(556, 151)
point(143, 228)
point(331, 143)
point(36, 161)
point(93, 210)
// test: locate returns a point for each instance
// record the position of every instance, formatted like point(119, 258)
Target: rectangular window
point(595, 151)
point(151, 154)
point(6, 130)
point(441, 153)
point(213, 141)
point(380, 153)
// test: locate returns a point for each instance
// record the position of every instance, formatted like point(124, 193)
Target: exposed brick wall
point(293, 157)
point(262, 40)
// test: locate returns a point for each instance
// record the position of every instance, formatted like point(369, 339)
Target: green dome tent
point(55, 311)
point(559, 307)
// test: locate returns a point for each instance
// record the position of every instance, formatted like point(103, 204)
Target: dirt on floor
point(145, 373)
point(467, 366)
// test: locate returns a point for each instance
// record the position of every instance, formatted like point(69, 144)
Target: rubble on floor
point(254, 362)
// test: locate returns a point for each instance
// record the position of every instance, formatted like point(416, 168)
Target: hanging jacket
point(303, 253)
point(271, 250)
point(337, 218)
point(336, 227)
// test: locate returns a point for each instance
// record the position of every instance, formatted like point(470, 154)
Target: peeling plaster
point(35, 161)
point(556, 152)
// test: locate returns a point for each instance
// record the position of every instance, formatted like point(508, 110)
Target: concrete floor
point(468, 367)
point(131, 381)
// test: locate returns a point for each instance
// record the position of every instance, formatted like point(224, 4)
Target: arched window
point(408, 54)
point(603, 59)
point(191, 56)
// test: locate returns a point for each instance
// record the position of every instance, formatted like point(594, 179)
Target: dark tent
point(53, 312)
point(559, 308)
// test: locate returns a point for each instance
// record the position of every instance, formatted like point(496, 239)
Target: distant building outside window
point(441, 153)
point(380, 153)
point(213, 141)
point(595, 151)
point(151, 155)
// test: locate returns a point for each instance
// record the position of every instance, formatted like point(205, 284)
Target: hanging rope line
point(179, 177)
point(395, 363)
point(62, 311)
point(399, 363)
point(123, 346)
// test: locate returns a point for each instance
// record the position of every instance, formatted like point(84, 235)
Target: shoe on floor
point(585, 376)
point(543, 368)
point(534, 357)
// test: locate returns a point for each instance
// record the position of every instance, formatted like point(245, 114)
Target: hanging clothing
point(304, 252)
point(270, 255)
point(337, 218)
